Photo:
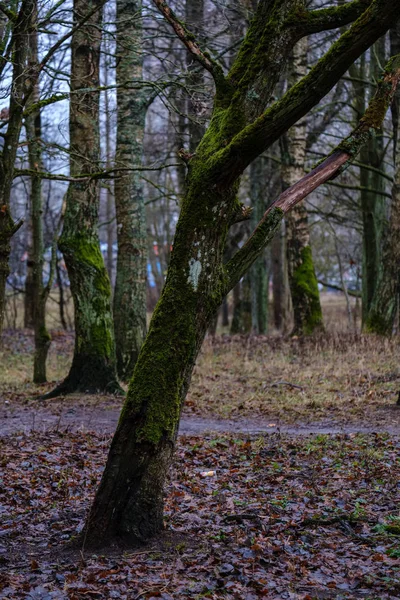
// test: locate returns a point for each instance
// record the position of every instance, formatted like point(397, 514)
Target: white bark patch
point(194, 273)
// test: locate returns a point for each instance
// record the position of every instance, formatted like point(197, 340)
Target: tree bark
point(279, 282)
point(225, 313)
point(93, 364)
point(39, 292)
point(130, 286)
point(18, 97)
point(129, 503)
point(29, 302)
point(372, 203)
point(385, 302)
point(302, 279)
point(259, 270)
point(194, 15)
point(242, 308)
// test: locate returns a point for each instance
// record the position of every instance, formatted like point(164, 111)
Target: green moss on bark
point(156, 393)
point(305, 294)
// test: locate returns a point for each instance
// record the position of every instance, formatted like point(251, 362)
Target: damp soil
point(101, 416)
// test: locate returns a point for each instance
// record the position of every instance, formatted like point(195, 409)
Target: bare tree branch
point(191, 44)
point(6, 11)
point(104, 174)
point(69, 34)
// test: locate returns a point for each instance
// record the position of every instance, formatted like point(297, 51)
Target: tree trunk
point(93, 364)
point(109, 194)
point(371, 181)
point(29, 302)
point(225, 312)
point(61, 305)
point(39, 293)
point(302, 279)
point(194, 18)
point(130, 286)
point(259, 271)
point(385, 302)
point(129, 502)
point(18, 96)
point(242, 308)
point(279, 278)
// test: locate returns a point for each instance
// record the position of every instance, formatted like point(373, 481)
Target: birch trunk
point(302, 279)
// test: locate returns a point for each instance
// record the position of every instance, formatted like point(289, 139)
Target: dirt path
point(104, 420)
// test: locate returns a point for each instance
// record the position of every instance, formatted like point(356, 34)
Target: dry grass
point(16, 358)
point(340, 377)
point(335, 378)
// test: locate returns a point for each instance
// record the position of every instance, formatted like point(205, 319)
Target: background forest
point(199, 224)
point(168, 97)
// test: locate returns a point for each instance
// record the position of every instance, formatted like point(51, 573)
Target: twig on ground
point(293, 385)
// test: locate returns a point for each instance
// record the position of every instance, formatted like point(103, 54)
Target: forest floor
point(253, 509)
point(336, 383)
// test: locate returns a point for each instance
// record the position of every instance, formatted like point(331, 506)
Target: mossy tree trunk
point(93, 364)
point(385, 303)
point(130, 286)
point(39, 291)
point(303, 283)
point(129, 501)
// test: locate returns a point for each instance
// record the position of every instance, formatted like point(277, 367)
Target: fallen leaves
point(285, 518)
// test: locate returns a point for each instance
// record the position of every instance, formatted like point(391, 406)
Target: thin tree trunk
point(93, 364)
point(109, 194)
point(259, 270)
point(18, 96)
point(242, 308)
point(61, 299)
point(130, 286)
point(39, 293)
point(29, 302)
point(279, 287)
point(194, 17)
point(225, 313)
point(302, 279)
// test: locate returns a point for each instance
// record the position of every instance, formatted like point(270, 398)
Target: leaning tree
point(244, 123)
